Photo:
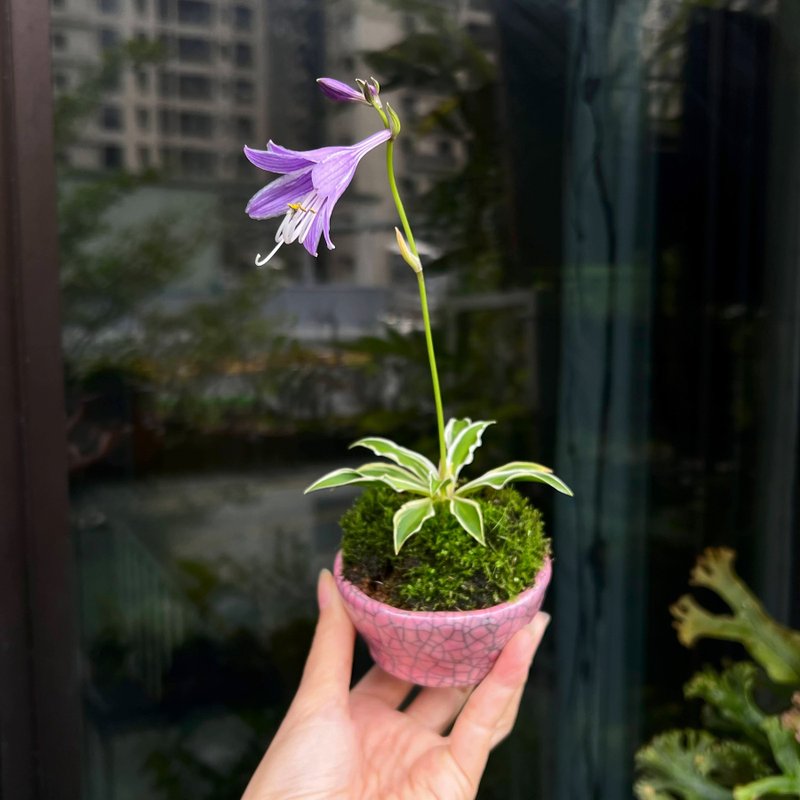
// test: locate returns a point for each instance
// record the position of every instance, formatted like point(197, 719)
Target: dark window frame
point(40, 719)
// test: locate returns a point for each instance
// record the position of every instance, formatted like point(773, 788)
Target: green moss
point(442, 567)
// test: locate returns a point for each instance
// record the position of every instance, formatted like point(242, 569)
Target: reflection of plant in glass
point(747, 752)
point(311, 183)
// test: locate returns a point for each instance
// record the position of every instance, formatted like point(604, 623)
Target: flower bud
point(405, 251)
point(394, 121)
point(340, 92)
point(371, 89)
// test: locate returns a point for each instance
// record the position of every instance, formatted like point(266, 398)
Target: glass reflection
point(591, 182)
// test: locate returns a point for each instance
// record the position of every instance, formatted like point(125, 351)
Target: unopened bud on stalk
point(394, 121)
point(371, 90)
point(410, 259)
point(340, 92)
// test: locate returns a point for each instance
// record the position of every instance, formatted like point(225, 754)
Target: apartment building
point(188, 114)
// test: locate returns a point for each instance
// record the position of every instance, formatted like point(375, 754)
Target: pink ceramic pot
point(439, 648)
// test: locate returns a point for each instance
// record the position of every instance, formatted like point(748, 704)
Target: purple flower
point(341, 92)
point(310, 184)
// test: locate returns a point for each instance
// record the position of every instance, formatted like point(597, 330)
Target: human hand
point(337, 743)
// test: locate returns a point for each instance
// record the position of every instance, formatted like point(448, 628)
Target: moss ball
point(441, 567)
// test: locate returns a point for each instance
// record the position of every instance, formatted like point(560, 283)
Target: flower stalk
point(423, 299)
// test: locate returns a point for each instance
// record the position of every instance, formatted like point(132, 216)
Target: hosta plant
point(416, 475)
point(429, 492)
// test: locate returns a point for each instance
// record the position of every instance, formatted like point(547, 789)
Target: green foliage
point(413, 473)
point(775, 647)
point(729, 702)
point(443, 567)
point(695, 765)
point(747, 753)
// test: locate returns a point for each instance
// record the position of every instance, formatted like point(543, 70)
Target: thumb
point(330, 661)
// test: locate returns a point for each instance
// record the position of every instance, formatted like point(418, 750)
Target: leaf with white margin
point(339, 477)
point(409, 459)
point(515, 471)
point(437, 484)
point(398, 478)
point(470, 517)
point(453, 428)
point(409, 518)
point(462, 449)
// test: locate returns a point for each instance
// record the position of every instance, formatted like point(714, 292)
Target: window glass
point(111, 118)
point(142, 79)
point(194, 50)
point(195, 87)
point(243, 91)
point(111, 157)
point(242, 17)
point(143, 118)
point(108, 38)
point(243, 54)
point(604, 196)
point(194, 12)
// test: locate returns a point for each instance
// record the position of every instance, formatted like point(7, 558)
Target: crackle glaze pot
point(439, 648)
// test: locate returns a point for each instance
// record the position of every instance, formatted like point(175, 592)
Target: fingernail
point(324, 588)
point(545, 618)
point(538, 626)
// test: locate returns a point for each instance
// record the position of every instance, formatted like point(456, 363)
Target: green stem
point(423, 299)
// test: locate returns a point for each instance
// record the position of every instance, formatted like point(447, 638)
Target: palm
point(403, 754)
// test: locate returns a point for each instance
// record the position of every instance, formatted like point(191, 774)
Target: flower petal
point(334, 173)
point(274, 198)
point(273, 161)
point(307, 155)
point(338, 91)
point(311, 242)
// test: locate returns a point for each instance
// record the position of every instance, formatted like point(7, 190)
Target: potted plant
point(437, 570)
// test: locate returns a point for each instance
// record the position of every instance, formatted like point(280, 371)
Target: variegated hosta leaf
point(409, 518)
point(466, 439)
point(470, 517)
point(437, 485)
point(399, 478)
point(339, 477)
point(515, 471)
point(453, 428)
point(409, 459)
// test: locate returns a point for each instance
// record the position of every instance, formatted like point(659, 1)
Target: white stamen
point(304, 228)
point(295, 224)
point(280, 235)
point(261, 262)
point(300, 217)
